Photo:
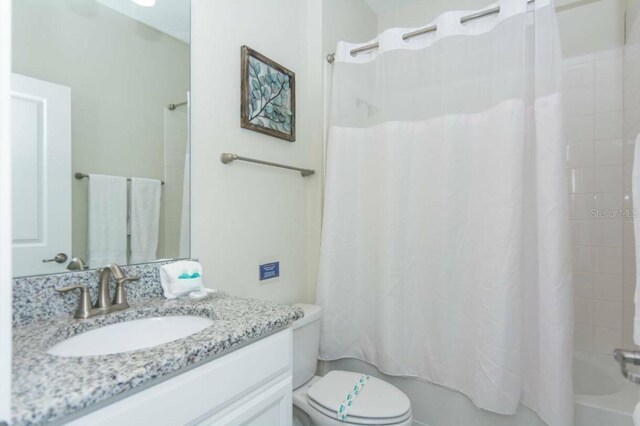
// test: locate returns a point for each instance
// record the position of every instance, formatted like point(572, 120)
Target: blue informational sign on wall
point(269, 270)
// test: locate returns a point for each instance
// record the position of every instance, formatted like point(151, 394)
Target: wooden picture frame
point(268, 96)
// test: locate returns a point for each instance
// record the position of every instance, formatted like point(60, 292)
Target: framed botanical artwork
point(268, 103)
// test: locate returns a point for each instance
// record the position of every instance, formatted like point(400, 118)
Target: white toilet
point(317, 400)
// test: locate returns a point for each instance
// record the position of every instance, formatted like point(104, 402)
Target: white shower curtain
point(445, 238)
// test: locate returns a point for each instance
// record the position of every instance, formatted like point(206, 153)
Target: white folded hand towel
point(181, 278)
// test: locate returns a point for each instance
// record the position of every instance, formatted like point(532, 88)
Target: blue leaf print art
point(270, 97)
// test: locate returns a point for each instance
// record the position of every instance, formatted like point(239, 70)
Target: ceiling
point(384, 6)
point(171, 17)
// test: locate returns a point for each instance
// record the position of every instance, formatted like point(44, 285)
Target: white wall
point(122, 75)
point(246, 214)
point(590, 26)
point(5, 213)
point(348, 20)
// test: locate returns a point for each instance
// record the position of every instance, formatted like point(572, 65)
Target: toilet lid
point(377, 402)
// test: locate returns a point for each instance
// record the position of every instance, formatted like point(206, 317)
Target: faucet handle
point(71, 287)
point(120, 296)
point(84, 301)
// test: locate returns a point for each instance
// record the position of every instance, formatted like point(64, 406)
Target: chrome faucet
point(77, 264)
point(119, 301)
point(104, 304)
point(84, 309)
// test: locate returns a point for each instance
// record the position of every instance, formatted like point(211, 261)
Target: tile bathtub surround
point(75, 383)
point(595, 162)
point(35, 298)
point(631, 130)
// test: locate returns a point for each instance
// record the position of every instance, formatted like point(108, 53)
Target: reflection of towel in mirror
point(145, 219)
point(107, 220)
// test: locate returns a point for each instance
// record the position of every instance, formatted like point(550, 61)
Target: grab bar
point(628, 357)
point(227, 158)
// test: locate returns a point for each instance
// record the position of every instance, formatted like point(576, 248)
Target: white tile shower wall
point(631, 72)
point(594, 131)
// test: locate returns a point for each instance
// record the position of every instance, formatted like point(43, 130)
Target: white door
point(41, 173)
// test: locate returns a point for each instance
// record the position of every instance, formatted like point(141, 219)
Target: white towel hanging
point(145, 219)
point(107, 235)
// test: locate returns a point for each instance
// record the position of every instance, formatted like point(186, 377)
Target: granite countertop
point(48, 388)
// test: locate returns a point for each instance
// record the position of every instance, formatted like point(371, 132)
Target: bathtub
point(602, 397)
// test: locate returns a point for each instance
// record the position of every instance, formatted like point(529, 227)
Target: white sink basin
point(130, 336)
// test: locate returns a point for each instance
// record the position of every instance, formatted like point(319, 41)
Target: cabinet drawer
point(269, 405)
point(202, 391)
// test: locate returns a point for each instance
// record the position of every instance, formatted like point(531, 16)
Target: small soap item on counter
point(199, 295)
point(180, 279)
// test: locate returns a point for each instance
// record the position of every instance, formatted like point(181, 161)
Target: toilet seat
point(379, 403)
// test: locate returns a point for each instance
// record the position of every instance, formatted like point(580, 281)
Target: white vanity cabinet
point(250, 386)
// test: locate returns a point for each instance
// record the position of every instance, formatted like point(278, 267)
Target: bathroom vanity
point(237, 370)
point(249, 386)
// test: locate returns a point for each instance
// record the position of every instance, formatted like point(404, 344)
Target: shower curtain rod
point(494, 10)
point(174, 106)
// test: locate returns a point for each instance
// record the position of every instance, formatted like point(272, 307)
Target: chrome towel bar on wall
point(80, 176)
point(227, 158)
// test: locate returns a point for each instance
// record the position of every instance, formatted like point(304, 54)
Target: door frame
point(5, 212)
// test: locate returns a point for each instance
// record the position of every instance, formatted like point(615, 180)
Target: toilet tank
point(306, 338)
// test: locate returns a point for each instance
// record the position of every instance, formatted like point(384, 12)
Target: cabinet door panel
point(203, 391)
point(273, 406)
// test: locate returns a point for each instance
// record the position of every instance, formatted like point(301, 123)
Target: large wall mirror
point(100, 143)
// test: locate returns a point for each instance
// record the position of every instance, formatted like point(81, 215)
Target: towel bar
point(227, 158)
point(81, 176)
